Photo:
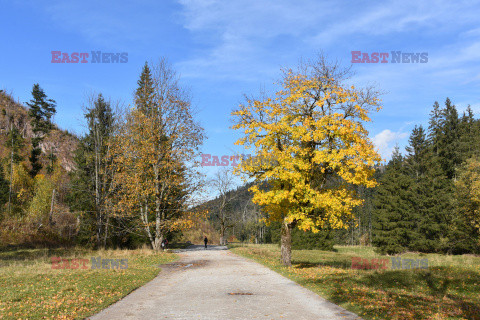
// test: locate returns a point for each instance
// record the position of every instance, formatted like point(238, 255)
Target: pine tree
point(4, 190)
point(392, 208)
point(15, 143)
point(449, 139)
point(145, 93)
point(41, 111)
point(468, 136)
point(464, 236)
point(434, 128)
point(91, 179)
point(427, 208)
point(430, 195)
point(417, 152)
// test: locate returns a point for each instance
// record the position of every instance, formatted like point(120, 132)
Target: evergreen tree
point(423, 218)
point(392, 207)
point(417, 153)
point(91, 179)
point(15, 143)
point(82, 194)
point(52, 158)
point(41, 111)
point(144, 95)
point(449, 139)
point(434, 128)
point(4, 191)
point(469, 136)
point(430, 195)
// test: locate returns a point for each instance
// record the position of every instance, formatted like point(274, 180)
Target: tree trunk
point(223, 228)
point(286, 243)
point(222, 235)
point(157, 245)
point(144, 216)
point(98, 208)
point(99, 230)
point(158, 220)
point(105, 236)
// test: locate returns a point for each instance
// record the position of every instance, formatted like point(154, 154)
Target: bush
point(303, 240)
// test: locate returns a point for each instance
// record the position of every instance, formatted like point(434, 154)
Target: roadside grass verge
point(448, 289)
point(179, 245)
point(31, 289)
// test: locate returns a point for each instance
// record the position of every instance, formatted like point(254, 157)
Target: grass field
point(30, 287)
point(448, 289)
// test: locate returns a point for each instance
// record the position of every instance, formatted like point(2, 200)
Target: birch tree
point(223, 183)
point(156, 154)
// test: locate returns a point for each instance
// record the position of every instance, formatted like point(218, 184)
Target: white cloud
point(385, 142)
point(245, 40)
point(240, 38)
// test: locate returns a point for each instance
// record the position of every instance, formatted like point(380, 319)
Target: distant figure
point(206, 241)
point(163, 244)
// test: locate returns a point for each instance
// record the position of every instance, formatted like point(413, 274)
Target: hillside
point(13, 113)
point(34, 210)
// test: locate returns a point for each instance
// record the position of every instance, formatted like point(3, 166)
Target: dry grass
point(448, 289)
point(30, 288)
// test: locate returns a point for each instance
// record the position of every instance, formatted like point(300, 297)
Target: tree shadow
point(470, 310)
point(300, 264)
point(388, 279)
point(11, 254)
point(438, 286)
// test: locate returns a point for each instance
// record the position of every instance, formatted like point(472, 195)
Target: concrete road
point(217, 284)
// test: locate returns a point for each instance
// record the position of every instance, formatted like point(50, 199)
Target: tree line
point(135, 170)
point(327, 180)
point(428, 198)
point(133, 175)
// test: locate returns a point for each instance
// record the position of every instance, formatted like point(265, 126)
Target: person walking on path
point(205, 241)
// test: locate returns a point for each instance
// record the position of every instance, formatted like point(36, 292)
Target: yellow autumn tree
point(312, 131)
point(155, 153)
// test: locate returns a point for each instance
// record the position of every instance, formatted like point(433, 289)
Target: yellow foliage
point(41, 201)
point(468, 191)
point(150, 153)
point(313, 131)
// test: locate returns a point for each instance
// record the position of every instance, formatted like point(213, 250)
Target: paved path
point(217, 284)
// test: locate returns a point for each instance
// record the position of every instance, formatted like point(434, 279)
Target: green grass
point(448, 289)
point(31, 289)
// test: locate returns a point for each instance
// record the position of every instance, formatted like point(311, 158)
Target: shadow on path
point(196, 247)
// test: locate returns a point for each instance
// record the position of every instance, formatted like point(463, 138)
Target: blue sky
point(224, 49)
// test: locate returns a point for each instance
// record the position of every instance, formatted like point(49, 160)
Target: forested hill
point(238, 197)
point(238, 211)
point(14, 120)
point(36, 159)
